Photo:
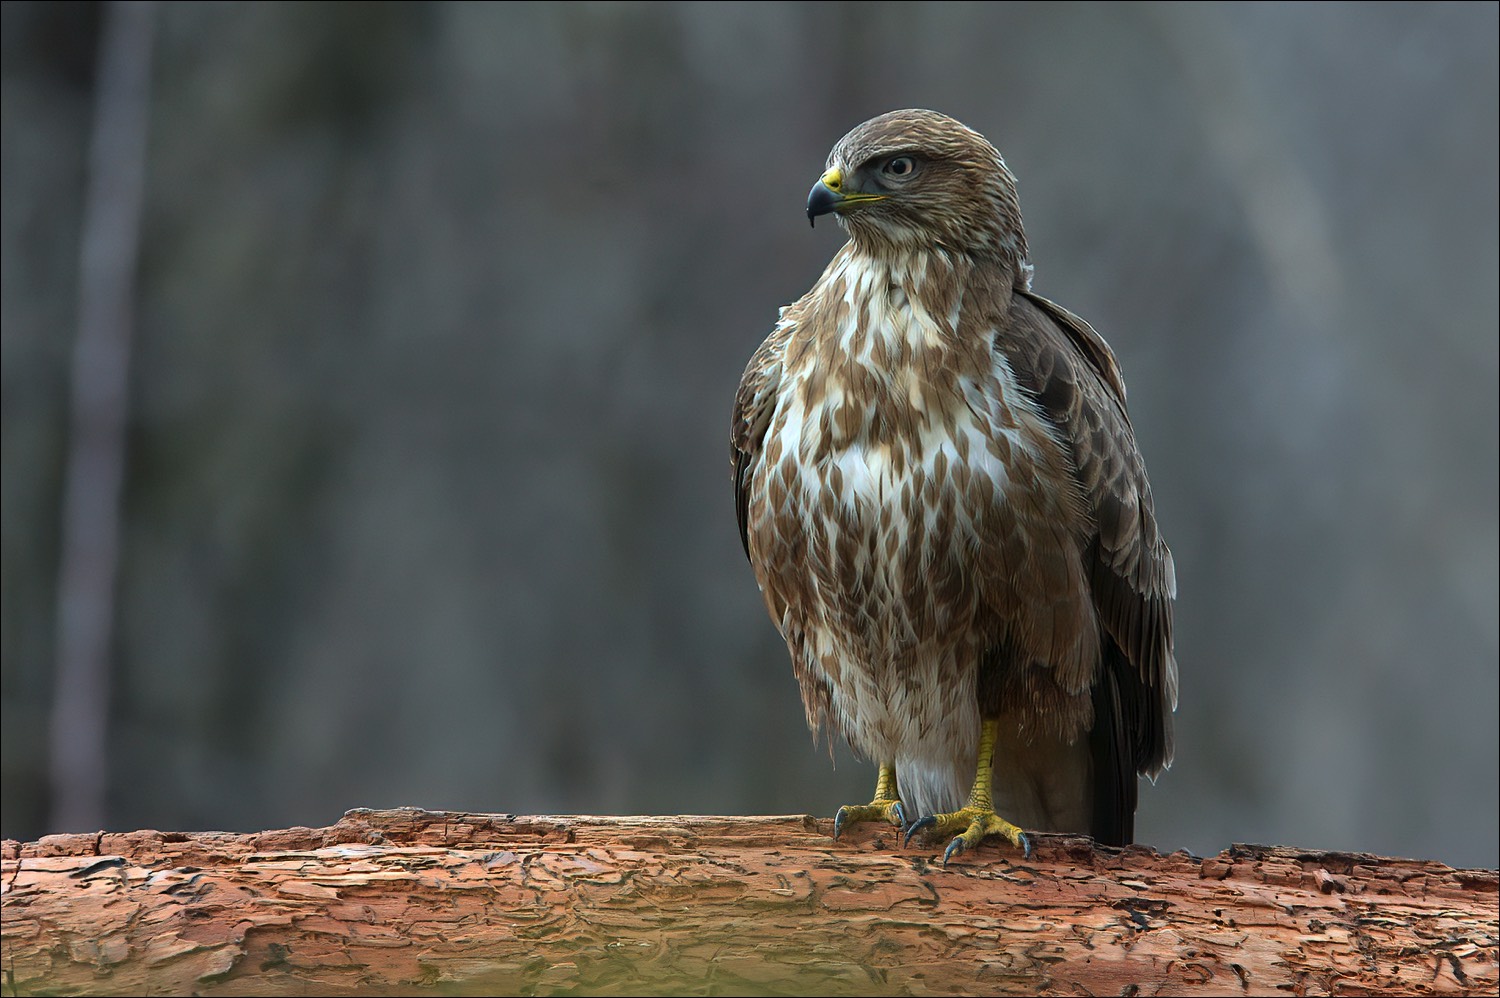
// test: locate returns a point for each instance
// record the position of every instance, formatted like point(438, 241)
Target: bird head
point(915, 180)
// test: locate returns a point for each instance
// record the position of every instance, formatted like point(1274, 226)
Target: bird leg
point(978, 820)
point(885, 807)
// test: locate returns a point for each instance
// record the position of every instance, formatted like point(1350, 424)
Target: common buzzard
point(940, 493)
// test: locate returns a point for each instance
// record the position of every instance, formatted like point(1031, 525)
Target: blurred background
point(438, 312)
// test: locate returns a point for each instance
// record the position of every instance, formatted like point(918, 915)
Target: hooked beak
point(829, 194)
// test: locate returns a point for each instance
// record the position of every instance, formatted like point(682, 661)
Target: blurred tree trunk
point(108, 250)
point(396, 902)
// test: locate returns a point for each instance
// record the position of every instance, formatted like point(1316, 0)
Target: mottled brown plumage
point(940, 492)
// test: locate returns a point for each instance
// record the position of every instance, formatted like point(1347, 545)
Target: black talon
point(955, 847)
point(838, 822)
point(900, 811)
point(1025, 846)
point(917, 826)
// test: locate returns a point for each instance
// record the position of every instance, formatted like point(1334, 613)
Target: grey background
point(441, 310)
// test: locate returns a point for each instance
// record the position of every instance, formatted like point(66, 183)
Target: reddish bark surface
point(407, 901)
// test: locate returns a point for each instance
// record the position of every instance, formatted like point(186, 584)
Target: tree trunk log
point(409, 901)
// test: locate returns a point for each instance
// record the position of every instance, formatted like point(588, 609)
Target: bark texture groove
point(410, 901)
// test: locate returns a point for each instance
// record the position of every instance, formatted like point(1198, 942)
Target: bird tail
point(1115, 785)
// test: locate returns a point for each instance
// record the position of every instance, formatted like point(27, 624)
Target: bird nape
point(940, 493)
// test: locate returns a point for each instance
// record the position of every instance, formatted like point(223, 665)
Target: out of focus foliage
point(441, 310)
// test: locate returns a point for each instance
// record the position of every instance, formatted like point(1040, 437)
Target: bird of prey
point(940, 493)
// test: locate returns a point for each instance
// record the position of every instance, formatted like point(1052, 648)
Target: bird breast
point(890, 447)
point(910, 493)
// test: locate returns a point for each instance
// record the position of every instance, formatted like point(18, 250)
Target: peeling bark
point(409, 901)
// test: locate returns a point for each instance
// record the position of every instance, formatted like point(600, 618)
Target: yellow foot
point(879, 809)
point(973, 825)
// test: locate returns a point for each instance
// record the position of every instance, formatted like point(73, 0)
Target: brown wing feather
point(753, 405)
point(1074, 378)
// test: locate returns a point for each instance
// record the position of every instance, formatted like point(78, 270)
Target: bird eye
point(900, 166)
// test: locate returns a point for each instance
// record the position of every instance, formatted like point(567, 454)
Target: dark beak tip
point(821, 200)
